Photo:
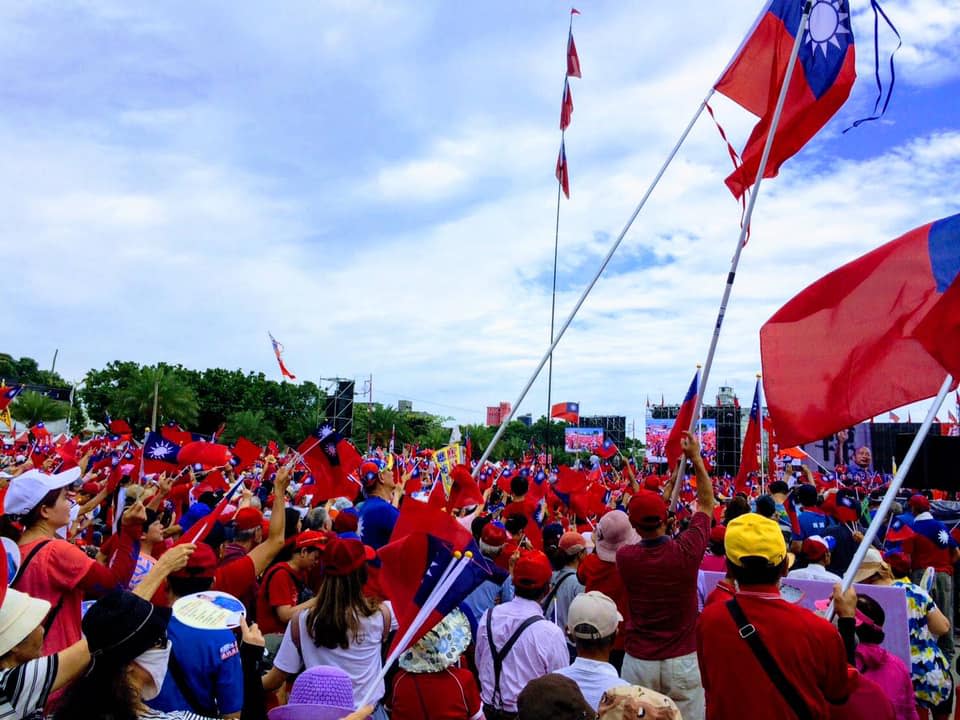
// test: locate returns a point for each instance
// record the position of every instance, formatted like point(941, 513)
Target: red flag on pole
point(573, 60)
point(881, 305)
point(566, 107)
point(749, 460)
point(682, 423)
point(278, 351)
point(563, 176)
point(821, 81)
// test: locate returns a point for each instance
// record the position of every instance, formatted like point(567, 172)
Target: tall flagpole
point(760, 420)
point(603, 266)
point(732, 274)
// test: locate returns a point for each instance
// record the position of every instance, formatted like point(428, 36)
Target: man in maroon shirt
point(807, 649)
point(660, 577)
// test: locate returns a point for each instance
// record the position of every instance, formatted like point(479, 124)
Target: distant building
point(525, 419)
point(404, 406)
point(496, 414)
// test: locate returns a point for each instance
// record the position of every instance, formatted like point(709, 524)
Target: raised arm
point(266, 551)
point(705, 497)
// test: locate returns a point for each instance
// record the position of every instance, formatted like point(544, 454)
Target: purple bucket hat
point(323, 692)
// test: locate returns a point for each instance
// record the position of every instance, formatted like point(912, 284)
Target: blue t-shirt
point(377, 518)
point(211, 665)
point(812, 523)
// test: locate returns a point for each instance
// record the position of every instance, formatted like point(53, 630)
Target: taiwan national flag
point(821, 81)
point(7, 395)
point(608, 448)
point(569, 411)
point(245, 454)
point(749, 458)
point(160, 454)
point(682, 423)
point(411, 570)
point(878, 333)
point(331, 460)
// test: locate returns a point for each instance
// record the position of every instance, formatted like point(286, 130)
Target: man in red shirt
point(284, 587)
point(807, 649)
point(660, 577)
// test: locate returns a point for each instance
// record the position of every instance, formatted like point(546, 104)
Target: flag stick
point(596, 277)
point(453, 571)
point(895, 484)
point(732, 274)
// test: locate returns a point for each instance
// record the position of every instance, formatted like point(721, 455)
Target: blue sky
point(373, 182)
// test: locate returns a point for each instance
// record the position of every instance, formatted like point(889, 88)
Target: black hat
point(122, 626)
point(553, 697)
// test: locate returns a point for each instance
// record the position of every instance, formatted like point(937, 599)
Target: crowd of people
point(593, 605)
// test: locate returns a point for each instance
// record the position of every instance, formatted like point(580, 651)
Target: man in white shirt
point(515, 642)
point(816, 550)
point(592, 623)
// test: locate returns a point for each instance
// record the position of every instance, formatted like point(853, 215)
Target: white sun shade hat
point(19, 616)
point(27, 490)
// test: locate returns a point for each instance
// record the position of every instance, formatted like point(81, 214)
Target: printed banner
point(446, 458)
point(582, 439)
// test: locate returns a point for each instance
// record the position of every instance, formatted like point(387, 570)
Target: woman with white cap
point(36, 506)
point(26, 679)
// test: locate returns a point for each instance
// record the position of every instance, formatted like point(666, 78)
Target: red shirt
point(807, 648)
point(597, 574)
point(721, 593)
point(281, 586)
point(713, 563)
point(237, 577)
point(451, 694)
point(660, 577)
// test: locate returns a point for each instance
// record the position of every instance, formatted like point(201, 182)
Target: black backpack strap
point(749, 633)
point(500, 655)
point(179, 676)
point(553, 591)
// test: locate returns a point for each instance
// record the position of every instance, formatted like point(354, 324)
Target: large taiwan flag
point(821, 81)
point(878, 333)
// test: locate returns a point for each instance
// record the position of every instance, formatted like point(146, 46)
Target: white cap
point(592, 616)
point(27, 490)
point(20, 615)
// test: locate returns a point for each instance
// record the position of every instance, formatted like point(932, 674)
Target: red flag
point(278, 351)
point(573, 60)
point(176, 436)
point(879, 305)
point(893, 417)
point(245, 454)
point(331, 460)
point(570, 481)
point(684, 418)
point(199, 530)
point(204, 453)
point(749, 462)
point(416, 515)
point(566, 107)
point(68, 453)
point(822, 79)
point(120, 427)
point(562, 175)
point(464, 491)
point(568, 411)
point(953, 418)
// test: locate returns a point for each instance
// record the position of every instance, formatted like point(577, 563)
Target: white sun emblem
point(942, 538)
point(826, 23)
point(324, 431)
point(331, 449)
point(161, 450)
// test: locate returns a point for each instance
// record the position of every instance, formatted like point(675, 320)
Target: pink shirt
point(541, 649)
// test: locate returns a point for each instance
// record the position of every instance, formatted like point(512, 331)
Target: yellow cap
point(754, 535)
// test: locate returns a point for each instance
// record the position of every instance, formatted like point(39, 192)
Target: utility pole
point(156, 398)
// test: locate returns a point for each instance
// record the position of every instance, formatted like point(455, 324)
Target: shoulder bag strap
point(553, 591)
point(749, 633)
point(26, 561)
point(500, 655)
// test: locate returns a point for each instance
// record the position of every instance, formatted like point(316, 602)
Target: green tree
point(32, 407)
point(251, 424)
point(101, 389)
point(176, 400)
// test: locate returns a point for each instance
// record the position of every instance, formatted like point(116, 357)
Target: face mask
point(154, 662)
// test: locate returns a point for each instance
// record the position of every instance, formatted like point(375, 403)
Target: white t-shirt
point(814, 571)
point(361, 660)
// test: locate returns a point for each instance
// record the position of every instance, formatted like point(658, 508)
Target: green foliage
point(251, 424)
point(176, 400)
point(32, 407)
point(26, 371)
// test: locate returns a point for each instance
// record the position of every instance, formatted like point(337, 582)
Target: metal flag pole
point(895, 484)
point(763, 483)
point(732, 274)
point(603, 266)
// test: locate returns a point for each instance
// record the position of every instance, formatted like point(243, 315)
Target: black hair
point(519, 486)
point(183, 586)
point(735, 508)
point(717, 548)
point(593, 645)
point(116, 699)
point(873, 610)
point(478, 524)
point(515, 523)
point(293, 518)
point(755, 571)
point(766, 506)
point(779, 487)
point(530, 593)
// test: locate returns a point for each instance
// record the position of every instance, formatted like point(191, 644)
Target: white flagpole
point(732, 274)
point(763, 483)
point(895, 485)
point(603, 266)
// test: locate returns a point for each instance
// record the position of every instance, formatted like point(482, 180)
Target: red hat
point(652, 482)
point(313, 539)
point(346, 520)
point(369, 472)
point(899, 563)
point(344, 556)
point(572, 543)
point(647, 510)
point(919, 503)
point(201, 564)
point(814, 548)
point(248, 518)
point(533, 570)
point(718, 533)
point(494, 535)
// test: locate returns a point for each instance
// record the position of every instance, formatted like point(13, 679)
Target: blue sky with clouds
point(373, 182)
